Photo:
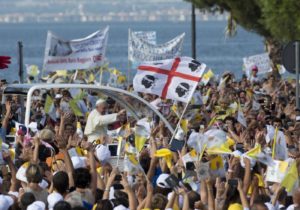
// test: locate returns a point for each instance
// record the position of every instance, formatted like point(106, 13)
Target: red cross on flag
point(174, 79)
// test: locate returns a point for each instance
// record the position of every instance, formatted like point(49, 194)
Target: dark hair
point(159, 201)
point(232, 196)
point(99, 194)
point(104, 205)
point(145, 161)
point(34, 174)
point(82, 177)
point(258, 205)
point(26, 199)
point(62, 205)
point(61, 182)
point(121, 198)
point(44, 153)
point(79, 208)
point(193, 198)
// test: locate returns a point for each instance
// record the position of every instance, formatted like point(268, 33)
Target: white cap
point(37, 205)
point(120, 207)
point(53, 198)
point(100, 101)
point(161, 181)
point(102, 152)
point(5, 202)
point(78, 162)
point(33, 126)
point(58, 96)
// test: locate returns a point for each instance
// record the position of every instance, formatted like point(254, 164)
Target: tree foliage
point(277, 19)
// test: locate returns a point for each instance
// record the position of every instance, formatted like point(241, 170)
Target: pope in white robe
point(96, 125)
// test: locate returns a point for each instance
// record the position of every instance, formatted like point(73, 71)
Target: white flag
point(241, 119)
point(82, 53)
point(255, 105)
point(142, 47)
point(174, 79)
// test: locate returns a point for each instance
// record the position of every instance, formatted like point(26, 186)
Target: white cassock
point(96, 124)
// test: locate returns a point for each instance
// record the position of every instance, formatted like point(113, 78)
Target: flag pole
point(101, 72)
point(178, 124)
point(128, 62)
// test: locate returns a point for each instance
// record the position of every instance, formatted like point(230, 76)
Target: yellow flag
point(91, 78)
point(115, 72)
point(48, 103)
point(254, 152)
point(174, 108)
point(139, 142)
point(212, 121)
point(79, 151)
point(216, 163)
point(132, 158)
point(121, 79)
point(206, 77)
point(230, 141)
point(184, 125)
point(166, 154)
point(62, 73)
point(290, 178)
point(222, 149)
point(206, 97)
point(274, 142)
point(73, 105)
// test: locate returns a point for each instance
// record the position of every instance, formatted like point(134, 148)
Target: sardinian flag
point(174, 79)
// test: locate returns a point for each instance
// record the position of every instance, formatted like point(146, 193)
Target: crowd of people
point(233, 132)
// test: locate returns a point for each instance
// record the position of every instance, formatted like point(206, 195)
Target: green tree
point(275, 20)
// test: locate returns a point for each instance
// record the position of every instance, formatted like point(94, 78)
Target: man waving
point(96, 125)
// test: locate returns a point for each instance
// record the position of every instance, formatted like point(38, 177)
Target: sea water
point(218, 52)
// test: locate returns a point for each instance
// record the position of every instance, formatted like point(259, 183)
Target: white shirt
point(96, 124)
point(291, 207)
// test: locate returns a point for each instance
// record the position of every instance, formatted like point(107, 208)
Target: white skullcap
point(102, 152)
point(78, 162)
point(5, 202)
point(53, 198)
point(37, 205)
point(100, 101)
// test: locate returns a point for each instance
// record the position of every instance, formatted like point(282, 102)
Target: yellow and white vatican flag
point(142, 133)
point(174, 79)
